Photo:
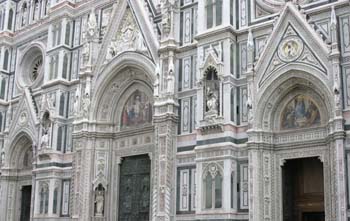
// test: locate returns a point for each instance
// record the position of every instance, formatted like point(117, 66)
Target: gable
point(25, 117)
point(291, 49)
point(127, 38)
point(293, 41)
point(130, 30)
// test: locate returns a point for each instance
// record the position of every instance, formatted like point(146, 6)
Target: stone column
point(255, 200)
point(339, 156)
point(165, 121)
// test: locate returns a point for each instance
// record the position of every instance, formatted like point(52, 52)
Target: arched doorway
point(290, 148)
point(18, 180)
point(126, 104)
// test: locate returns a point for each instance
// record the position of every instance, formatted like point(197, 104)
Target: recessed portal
point(134, 195)
point(303, 190)
point(25, 203)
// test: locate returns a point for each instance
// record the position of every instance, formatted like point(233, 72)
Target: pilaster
point(165, 121)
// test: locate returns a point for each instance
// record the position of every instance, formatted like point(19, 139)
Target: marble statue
point(212, 102)
point(86, 105)
point(99, 203)
point(44, 140)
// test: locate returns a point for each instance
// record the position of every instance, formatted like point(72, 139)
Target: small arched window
point(44, 198)
point(218, 7)
point(6, 60)
point(233, 108)
point(1, 20)
point(55, 200)
point(62, 104)
point(10, 20)
point(51, 66)
point(67, 37)
point(213, 188)
point(59, 138)
point(2, 88)
point(65, 66)
point(1, 121)
point(210, 13)
point(214, 13)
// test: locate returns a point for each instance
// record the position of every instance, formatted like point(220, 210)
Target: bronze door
point(25, 203)
point(134, 191)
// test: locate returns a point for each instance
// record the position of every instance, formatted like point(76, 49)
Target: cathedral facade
point(164, 110)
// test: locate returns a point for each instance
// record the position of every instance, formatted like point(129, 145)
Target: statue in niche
point(212, 94)
point(156, 85)
point(137, 110)
point(171, 79)
point(99, 201)
point(46, 125)
point(86, 105)
point(300, 112)
point(44, 140)
point(76, 102)
point(212, 100)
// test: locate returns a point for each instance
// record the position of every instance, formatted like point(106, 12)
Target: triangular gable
point(129, 31)
point(25, 116)
point(127, 38)
point(292, 41)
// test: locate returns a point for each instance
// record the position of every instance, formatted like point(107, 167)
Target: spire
point(250, 49)
point(333, 32)
point(250, 41)
point(333, 18)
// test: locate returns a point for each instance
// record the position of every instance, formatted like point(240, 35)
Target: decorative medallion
point(290, 49)
point(23, 118)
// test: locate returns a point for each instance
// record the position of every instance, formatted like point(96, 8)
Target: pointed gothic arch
point(141, 69)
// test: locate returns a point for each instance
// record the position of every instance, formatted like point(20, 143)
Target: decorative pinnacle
point(250, 41)
point(333, 17)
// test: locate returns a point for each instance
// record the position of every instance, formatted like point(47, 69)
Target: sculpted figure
point(44, 140)
point(212, 100)
point(156, 86)
point(86, 105)
point(99, 203)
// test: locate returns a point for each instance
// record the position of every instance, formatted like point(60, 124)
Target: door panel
point(303, 190)
point(134, 195)
point(25, 203)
